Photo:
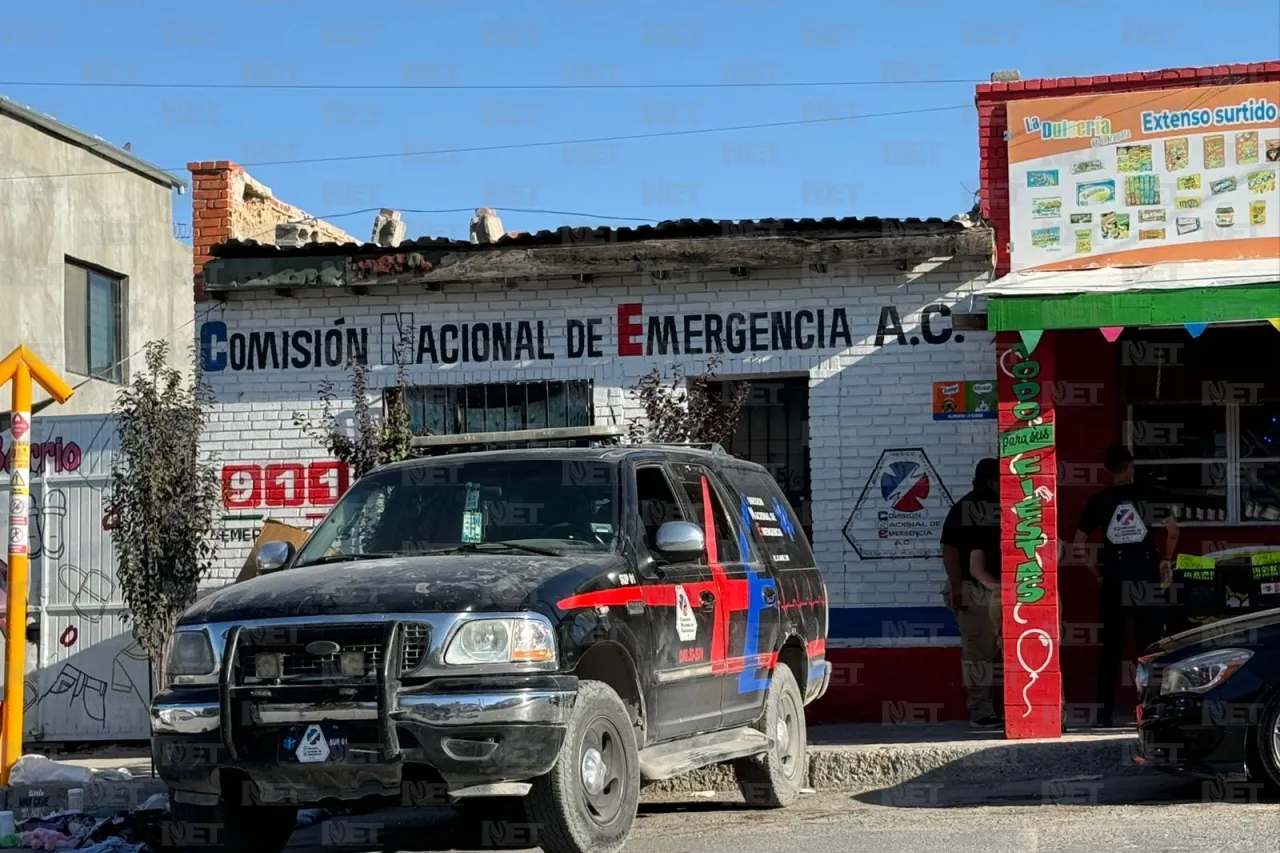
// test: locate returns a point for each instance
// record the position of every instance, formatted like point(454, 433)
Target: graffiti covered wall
point(86, 677)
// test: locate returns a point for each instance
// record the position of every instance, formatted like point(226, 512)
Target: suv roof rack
point(713, 446)
point(589, 436)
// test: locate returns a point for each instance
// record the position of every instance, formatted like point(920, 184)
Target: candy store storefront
point(1137, 301)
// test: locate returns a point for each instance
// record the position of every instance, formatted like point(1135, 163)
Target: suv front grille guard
point(389, 672)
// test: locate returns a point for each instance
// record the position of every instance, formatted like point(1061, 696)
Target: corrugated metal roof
point(1177, 275)
point(94, 144)
point(680, 229)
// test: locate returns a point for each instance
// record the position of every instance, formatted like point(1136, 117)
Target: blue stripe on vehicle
point(750, 680)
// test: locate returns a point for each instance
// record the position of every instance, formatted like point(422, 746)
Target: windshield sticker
point(597, 527)
point(473, 497)
point(784, 519)
point(472, 527)
point(686, 623)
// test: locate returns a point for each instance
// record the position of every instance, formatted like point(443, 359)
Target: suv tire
point(588, 802)
point(773, 780)
point(230, 828)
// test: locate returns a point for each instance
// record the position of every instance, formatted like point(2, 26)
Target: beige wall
point(115, 219)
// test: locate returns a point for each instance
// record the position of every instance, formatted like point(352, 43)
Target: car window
point(763, 506)
point(554, 504)
point(656, 502)
point(697, 484)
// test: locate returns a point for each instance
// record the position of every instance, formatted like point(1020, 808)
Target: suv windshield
point(551, 506)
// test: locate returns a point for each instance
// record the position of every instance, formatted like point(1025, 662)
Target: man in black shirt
point(971, 556)
point(1133, 570)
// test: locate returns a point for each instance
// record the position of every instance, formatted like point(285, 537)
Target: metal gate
point(86, 677)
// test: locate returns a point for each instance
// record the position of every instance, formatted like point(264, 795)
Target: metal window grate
point(500, 407)
point(774, 432)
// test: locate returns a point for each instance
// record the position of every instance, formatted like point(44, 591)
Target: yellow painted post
point(15, 640)
point(21, 366)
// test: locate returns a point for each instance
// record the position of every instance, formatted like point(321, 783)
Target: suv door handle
point(708, 601)
point(770, 594)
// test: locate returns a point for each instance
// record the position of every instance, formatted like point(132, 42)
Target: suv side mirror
point(680, 541)
point(274, 555)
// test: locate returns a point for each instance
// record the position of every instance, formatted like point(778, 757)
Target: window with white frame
point(1203, 422)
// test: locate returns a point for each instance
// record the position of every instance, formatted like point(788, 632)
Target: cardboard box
point(272, 531)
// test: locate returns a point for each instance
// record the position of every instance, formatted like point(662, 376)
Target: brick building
point(842, 326)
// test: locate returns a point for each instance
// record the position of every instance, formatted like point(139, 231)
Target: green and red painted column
point(1029, 537)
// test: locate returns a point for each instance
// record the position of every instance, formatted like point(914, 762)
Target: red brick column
point(1029, 539)
point(210, 214)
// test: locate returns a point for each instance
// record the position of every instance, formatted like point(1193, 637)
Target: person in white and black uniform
point(1134, 571)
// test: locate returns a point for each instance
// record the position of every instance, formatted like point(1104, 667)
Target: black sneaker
point(988, 722)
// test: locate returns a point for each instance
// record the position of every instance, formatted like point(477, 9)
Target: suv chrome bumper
point(516, 707)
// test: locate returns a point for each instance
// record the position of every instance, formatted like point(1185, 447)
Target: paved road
point(1084, 815)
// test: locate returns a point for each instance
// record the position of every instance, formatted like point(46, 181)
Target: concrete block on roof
point(388, 228)
point(291, 235)
point(486, 227)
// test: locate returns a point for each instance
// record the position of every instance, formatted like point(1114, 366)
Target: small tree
point(374, 441)
point(687, 410)
point(164, 497)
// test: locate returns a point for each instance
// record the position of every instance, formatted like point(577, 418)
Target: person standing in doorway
point(971, 556)
point(1133, 570)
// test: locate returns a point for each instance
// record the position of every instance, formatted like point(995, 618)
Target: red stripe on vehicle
point(720, 630)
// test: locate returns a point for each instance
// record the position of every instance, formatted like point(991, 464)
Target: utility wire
point(513, 146)
point(469, 87)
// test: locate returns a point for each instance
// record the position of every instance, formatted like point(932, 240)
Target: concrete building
point(842, 327)
point(90, 269)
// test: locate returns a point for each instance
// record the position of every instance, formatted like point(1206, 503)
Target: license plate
point(318, 743)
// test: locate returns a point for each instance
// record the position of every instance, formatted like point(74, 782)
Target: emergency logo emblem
point(1126, 526)
point(314, 749)
point(686, 623)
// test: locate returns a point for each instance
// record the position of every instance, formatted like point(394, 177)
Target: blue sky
point(908, 165)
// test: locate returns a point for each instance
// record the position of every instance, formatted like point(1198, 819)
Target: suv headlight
point(1203, 672)
point(499, 641)
point(191, 659)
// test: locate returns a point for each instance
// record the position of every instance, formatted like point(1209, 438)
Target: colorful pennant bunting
point(1031, 339)
point(1196, 329)
point(1112, 333)
point(1275, 321)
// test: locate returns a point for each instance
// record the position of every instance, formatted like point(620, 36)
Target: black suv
point(554, 627)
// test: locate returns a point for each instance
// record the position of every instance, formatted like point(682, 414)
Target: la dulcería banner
point(1145, 177)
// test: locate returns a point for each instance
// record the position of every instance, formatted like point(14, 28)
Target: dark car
point(553, 627)
point(1210, 700)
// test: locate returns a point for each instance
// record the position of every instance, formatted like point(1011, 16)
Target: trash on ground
point(48, 839)
point(155, 802)
point(42, 770)
point(136, 832)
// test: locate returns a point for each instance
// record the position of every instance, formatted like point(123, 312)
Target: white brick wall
point(863, 398)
